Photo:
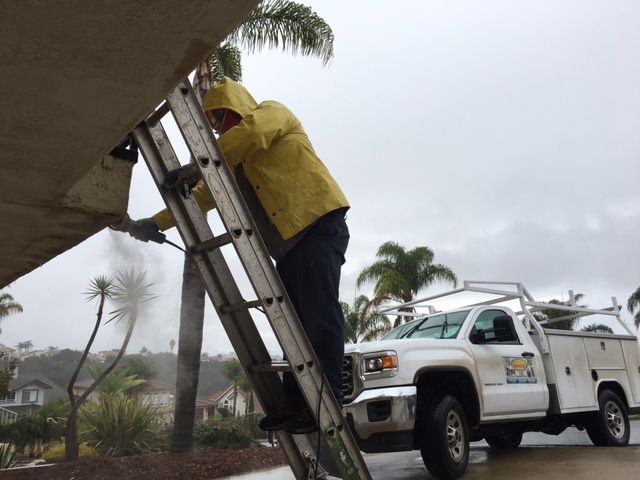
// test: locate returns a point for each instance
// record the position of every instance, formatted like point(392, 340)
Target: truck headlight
point(380, 364)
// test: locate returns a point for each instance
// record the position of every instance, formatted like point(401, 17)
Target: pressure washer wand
point(157, 237)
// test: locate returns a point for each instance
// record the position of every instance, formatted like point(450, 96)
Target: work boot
point(301, 422)
point(277, 419)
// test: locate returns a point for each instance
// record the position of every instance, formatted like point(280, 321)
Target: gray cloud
point(503, 135)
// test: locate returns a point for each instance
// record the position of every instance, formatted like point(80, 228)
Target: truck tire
point(445, 439)
point(505, 440)
point(609, 426)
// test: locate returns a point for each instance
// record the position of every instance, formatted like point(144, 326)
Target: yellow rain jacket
point(291, 183)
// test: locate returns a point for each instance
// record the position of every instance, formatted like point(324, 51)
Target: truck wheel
point(609, 426)
point(505, 440)
point(445, 439)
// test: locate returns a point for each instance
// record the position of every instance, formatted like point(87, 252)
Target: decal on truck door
point(519, 370)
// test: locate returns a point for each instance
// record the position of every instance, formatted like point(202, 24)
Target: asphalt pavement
point(569, 455)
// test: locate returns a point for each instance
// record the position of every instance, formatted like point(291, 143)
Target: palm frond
point(393, 284)
point(226, 61)
point(287, 25)
point(391, 251)
point(101, 286)
point(634, 300)
point(437, 273)
point(8, 306)
point(374, 271)
point(362, 322)
point(130, 291)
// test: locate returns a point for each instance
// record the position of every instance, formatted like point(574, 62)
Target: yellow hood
point(230, 95)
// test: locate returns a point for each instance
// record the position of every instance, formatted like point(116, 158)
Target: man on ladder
point(300, 212)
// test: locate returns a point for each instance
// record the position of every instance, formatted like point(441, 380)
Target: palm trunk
point(189, 349)
point(235, 397)
point(191, 323)
point(71, 446)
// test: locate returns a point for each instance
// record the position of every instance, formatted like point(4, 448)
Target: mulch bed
point(200, 465)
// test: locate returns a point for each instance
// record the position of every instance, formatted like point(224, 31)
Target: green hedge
point(223, 433)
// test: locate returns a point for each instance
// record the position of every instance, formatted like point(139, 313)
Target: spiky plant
point(129, 290)
point(101, 288)
point(118, 425)
point(8, 455)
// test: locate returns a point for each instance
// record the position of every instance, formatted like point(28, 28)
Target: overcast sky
point(504, 135)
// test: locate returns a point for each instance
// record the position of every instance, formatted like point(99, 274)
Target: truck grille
point(347, 376)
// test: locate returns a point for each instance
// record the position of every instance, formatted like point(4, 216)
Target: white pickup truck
point(486, 372)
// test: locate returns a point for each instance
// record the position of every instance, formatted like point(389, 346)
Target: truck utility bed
point(578, 359)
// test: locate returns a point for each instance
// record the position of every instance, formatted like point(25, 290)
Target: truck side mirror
point(477, 337)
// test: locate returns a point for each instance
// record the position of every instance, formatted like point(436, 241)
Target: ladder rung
point(157, 115)
point(272, 367)
point(213, 243)
point(186, 174)
point(241, 306)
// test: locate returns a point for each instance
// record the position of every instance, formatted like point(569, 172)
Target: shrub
point(7, 455)
point(118, 425)
point(252, 420)
point(223, 433)
point(25, 431)
point(55, 452)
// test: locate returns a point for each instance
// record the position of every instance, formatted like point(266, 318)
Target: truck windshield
point(443, 325)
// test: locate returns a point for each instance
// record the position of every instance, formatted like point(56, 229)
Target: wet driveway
point(562, 457)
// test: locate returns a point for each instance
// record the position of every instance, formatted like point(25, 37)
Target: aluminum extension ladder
point(233, 310)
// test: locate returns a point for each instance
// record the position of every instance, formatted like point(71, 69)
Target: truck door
point(509, 366)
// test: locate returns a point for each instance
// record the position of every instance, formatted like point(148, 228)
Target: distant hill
point(159, 366)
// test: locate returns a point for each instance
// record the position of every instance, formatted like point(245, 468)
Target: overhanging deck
point(76, 76)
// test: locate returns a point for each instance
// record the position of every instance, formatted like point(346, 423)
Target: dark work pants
point(311, 275)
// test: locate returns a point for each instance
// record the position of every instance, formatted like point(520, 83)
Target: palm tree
point(400, 274)
point(245, 385)
point(361, 322)
point(548, 314)
point(597, 328)
point(274, 23)
point(24, 347)
point(632, 304)
point(100, 288)
point(8, 306)
point(119, 381)
point(128, 291)
point(172, 344)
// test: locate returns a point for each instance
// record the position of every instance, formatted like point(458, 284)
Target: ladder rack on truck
point(503, 292)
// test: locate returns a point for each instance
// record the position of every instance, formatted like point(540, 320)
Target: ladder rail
point(155, 145)
point(223, 290)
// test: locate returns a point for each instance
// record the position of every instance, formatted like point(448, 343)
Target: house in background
point(162, 396)
point(104, 355)
point(155, 393)
point(225, 398)
point(28, 392)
